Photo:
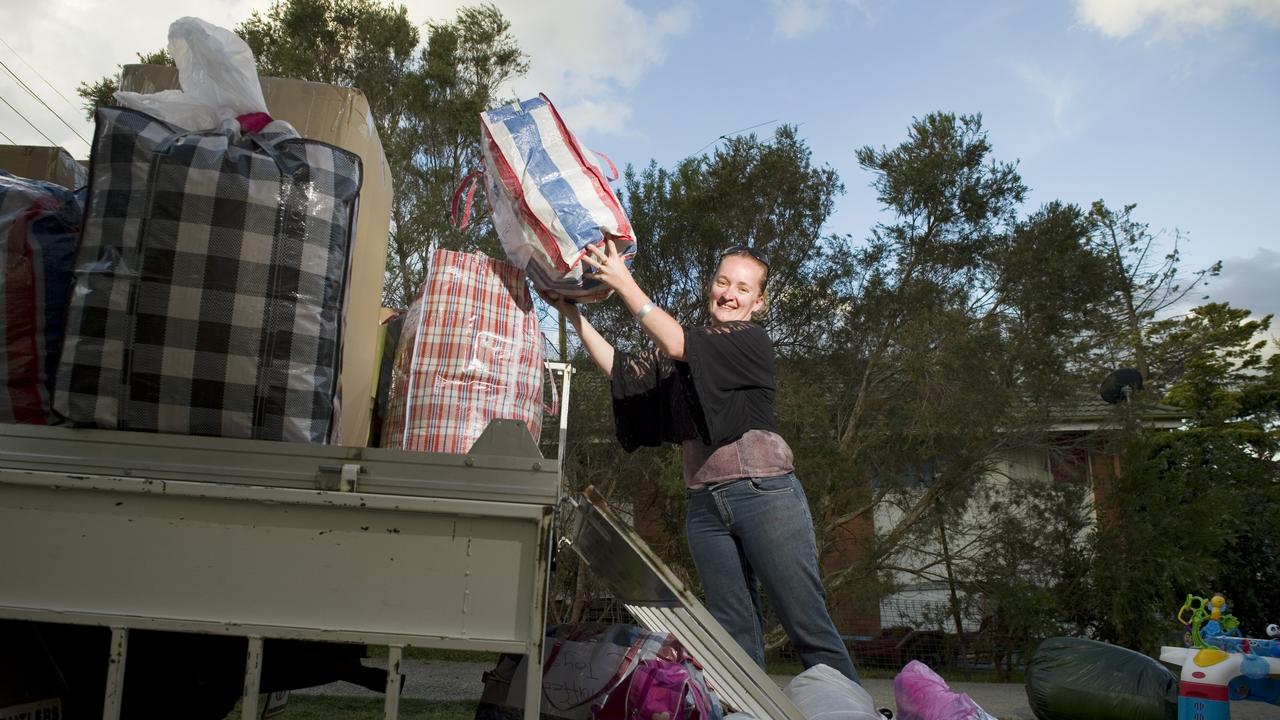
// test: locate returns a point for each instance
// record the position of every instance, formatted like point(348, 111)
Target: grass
point(791, 668)
point(309, 707)
point(418, 653)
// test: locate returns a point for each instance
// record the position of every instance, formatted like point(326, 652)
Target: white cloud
point(588, 54)
point(1122, 18)
point(794, 18)
point(1057, 90)
point(1250, 282)
point(72, 41)
point(584, 54)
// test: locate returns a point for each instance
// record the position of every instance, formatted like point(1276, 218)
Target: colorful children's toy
point(1218, 665)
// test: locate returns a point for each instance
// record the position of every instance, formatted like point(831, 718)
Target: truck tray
point(268, 539)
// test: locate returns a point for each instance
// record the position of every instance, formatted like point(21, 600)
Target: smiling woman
point(711, 391)
point(737, 292)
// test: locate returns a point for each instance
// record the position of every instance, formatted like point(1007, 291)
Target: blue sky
point(1178, 119)
point(1170, 104)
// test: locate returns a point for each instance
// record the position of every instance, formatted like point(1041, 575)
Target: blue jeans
point(758, 530)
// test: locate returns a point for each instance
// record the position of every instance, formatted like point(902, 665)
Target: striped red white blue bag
point(549, 200)
point(470, 352)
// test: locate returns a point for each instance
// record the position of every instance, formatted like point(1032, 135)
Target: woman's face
point(736, 290)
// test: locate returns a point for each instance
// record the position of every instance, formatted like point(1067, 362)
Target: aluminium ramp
point(661, 602)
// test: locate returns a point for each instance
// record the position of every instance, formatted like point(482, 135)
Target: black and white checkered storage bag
point(210, 280)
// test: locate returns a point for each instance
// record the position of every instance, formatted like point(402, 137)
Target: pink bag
point(921, 694)
point(656, 690)
point(582, 664)
point(470, 352)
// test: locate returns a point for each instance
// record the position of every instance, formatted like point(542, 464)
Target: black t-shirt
point(723, 388)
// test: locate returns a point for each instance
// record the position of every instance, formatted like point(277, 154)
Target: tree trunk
point(579, 607)
point(1133, 323)
point(951, 587)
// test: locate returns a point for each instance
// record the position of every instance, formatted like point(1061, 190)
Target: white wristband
point(645, 310)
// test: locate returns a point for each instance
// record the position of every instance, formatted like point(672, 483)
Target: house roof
point(1094, 414)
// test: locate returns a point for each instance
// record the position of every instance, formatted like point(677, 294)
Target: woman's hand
point(597, 347)
point(568, 308)
point(611, 270)
point(610, 267)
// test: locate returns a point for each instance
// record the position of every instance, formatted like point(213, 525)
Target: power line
point(727, 135)
point(7, 138)
point(42, 102)
point(37, 72)
point(24, 117)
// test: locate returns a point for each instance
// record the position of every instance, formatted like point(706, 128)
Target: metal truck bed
point(277, 540)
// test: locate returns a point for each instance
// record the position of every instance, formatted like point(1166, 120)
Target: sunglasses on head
point(739, 249)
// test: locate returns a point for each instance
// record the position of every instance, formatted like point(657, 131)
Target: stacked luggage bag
point(209, 281)
point(221, 273)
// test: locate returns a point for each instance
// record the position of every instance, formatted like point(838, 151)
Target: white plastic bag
point(822, 693)
point(217, 73)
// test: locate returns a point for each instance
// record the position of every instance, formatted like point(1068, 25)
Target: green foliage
point(1184, 499)
point(949, 197)
point(1187, 514)
point(1147, 284)
point(159, 57)
point(1052, 279)
point(457, 77)
point(963, 325)
point(1213, 354)
point(1029, 576)
point(356, 43)
point(425, 100)
point(102, 92)
point(768, 194)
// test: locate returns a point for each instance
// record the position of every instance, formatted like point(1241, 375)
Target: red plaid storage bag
point(548, 198)
point(39, 227)
point(470, 352)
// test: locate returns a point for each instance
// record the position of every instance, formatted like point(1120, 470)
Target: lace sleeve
point(653, 400)
point(639, 373)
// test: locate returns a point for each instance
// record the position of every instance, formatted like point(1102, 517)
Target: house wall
point(854, 607)
point(925, 602)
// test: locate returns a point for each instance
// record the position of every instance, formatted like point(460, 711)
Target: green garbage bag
point(1078, 679)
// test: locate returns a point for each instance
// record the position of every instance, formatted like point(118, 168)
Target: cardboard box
point(339, 116)
point(52, 164)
